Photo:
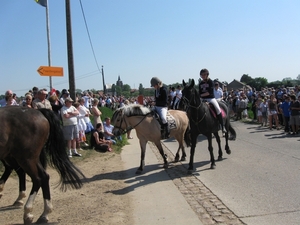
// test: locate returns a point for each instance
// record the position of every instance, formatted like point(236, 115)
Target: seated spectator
point(98, 141)
point(108, 128)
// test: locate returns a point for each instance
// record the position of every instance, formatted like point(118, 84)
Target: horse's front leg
point(220, 157)
point(193, 146)
point(143, 152)
point(161, 151)
point(211, 151)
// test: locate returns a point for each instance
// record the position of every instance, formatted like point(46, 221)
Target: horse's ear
point(192, 83)
point(183, 83)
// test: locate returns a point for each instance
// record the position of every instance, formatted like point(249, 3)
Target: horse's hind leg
point(22, 187)
point(211, 151)
point(4, 177)
point(39, 179)
point(181, 146)
point(47, 200)
point(161, 151)
point(220, 152)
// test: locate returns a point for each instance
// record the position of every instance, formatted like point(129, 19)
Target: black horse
point(30, 139)
point(203, 121)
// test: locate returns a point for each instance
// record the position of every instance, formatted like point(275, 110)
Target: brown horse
point(147, 128)
point(29, 140)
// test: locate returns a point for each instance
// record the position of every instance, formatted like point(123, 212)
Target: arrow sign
point(50, 71)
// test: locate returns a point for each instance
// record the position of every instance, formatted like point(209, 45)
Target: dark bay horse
point(30, 139)
point(202, 121)
point(148, 128)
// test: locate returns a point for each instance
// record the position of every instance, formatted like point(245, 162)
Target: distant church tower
point(119, 82)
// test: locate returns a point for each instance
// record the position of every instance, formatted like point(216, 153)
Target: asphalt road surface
point(259, 182)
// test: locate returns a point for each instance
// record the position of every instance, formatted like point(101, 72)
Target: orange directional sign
point(51, 71)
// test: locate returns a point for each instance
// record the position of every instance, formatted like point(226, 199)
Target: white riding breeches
point(162, 112)
point(215, 103)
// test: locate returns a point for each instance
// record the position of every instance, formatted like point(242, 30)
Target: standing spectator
point(273, 112)
point(96, 112)
point(81, 127)
point(56, 105)
point(218, 92)
point(8, 99)
point(86, 111)
point(285, 109)
point(41, 101)
point(28, 101)
point(177, 97)
point(69, 117)
point(64, 95)
point(264, 111)
point(294, 118)
point(258, 106)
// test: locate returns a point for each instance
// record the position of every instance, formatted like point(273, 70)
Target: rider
point(206, 90)
point(161, 105)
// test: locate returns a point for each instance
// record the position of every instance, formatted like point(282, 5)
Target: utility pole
point(104, 87)
point(72, 89)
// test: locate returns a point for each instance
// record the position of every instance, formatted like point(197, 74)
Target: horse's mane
point(135, 110)
point(132, 110)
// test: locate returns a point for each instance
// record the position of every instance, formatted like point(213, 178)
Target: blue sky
point(139, 39)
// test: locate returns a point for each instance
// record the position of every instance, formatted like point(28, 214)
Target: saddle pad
point(171, 121)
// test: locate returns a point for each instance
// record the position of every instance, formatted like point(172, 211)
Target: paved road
point(259, 182)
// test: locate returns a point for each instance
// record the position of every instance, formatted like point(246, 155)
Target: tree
point(246, 79)
point(126, 87)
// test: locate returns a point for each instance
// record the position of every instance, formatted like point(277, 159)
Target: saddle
point(213, 112)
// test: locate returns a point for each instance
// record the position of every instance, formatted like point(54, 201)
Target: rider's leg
point(219, 114)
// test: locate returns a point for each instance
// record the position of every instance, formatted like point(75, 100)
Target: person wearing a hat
point(161, 105)
point(206, 91)
point(69, 118)
point(41, 100)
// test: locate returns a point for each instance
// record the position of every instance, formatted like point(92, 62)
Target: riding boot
point(220, 119)
point(165, 132)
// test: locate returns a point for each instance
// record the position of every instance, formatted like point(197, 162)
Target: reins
point(188, 106)
point(128, 128)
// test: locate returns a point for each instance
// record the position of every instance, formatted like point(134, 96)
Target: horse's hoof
point(220, 158)
point(176, 159)
point(213, 167)
point(42, 219)
point(138, 172)
point(18, 203)
point(28, 220)
point(183, 159)
point(166, 166)
point(228, 152)
point(190, 172)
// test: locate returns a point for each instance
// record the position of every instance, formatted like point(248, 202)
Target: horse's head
point(189, 95)
point(118, 122)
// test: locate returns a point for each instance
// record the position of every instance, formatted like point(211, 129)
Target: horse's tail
point(232, 133)
point(70, 175)
point(187, 136)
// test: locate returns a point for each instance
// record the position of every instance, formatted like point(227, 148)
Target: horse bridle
point(128, 128)
point(186, 103)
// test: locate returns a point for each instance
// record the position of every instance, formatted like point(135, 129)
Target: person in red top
point(206, 91)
